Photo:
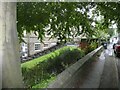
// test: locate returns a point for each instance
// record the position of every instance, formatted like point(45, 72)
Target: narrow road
point(100, 72)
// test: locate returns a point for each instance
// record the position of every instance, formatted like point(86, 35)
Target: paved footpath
point(109, 78)
point(100, 72)
point(118, 65)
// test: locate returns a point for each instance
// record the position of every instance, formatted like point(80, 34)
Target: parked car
point(116, 48)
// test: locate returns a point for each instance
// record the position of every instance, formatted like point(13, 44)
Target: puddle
point(102, 56)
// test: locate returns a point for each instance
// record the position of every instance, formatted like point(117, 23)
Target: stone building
point(33, 44)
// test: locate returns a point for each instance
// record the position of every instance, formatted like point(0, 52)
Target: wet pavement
point(118, 65)
point(109, 78)
point(100, 72)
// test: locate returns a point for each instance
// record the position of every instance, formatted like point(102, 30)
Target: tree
point(11, 71)
point(63, 19)
point(111, 12)
point(60, 17)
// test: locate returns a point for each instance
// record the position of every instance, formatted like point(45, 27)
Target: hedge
point(43, 69)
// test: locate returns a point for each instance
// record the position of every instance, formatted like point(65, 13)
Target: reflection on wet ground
point(110, 52)
point(118, 65)
point(102, 56)
point(107, 52)
point(101, 72)
point(89, 75)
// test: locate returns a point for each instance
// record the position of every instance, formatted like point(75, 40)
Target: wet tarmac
point(100, 72)
point(118, 65)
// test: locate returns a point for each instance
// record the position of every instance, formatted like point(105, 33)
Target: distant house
point(33, 44)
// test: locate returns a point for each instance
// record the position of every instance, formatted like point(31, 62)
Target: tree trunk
point(11, 71)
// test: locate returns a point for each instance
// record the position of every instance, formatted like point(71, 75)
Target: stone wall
point(66, 75)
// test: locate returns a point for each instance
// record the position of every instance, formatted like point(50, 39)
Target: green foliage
point(41, 69)
point(111, 12)
point(92, 46)
point(61, 18)
point(44, 83)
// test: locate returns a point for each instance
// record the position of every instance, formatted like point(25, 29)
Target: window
point(37, 46)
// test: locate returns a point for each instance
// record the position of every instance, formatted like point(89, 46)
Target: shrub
point(91, 47)
point(42, 68)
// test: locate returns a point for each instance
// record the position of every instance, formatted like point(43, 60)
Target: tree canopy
point(111, 12)
point(64, 20)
